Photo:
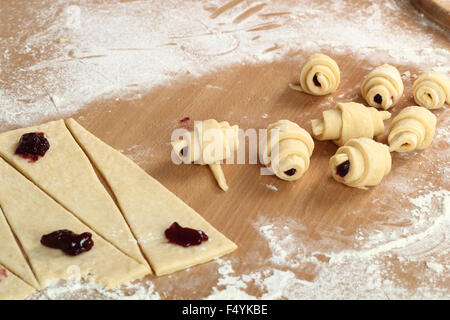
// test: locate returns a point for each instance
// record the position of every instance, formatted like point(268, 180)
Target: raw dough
point(66, 174)
point(412, 129)
point(12, 287)
point(385, 83)
point(319, 76)
point(11, 255)
point(150, 208)
point(349, 120)
point(209, 143)
point(369, 161)
point(31, 214)
point(432, 90)
point(288, 147)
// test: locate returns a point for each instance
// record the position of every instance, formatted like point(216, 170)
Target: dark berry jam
point(378, 99)
point(183, 151)
point(316, 82)
point(185, 237)
point(70, 243)
point(290, 172)
point(3, 272)
point(185, 119)
point(32, 146)
point(343, 168)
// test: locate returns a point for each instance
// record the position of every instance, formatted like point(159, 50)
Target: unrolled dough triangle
point(66, 174)
point(31, 214)
point(150, 208)
point(11, 255)
point(12, 287)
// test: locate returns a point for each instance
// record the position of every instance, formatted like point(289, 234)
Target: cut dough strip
point(412, 129)
point(150, 208)
point(12, 287)
point(319, 76)
point(31, 214)
point(11, 255)
point(288, 149)
point(349, 120)
point(361, 163)
point(66, 174)
point(382, 87)
point(209, 143)
point(431, 90)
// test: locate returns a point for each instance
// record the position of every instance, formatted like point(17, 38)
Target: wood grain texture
point(315, 208)
point(436, 10)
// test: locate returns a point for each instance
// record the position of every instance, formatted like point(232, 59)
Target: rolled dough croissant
point(208, 144)
point(382, 87)
point(349, 120)
point(288, 149)
point(361, 163)
point(432, 90)
point(412, 129)
point(319, 76)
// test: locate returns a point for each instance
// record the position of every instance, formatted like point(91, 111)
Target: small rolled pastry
point(361, 163)
point(208, 144)
point(431, 90)
point(382, 87)
point(412, 129)
point(319, 76)
point(349, 120)
point(287, 150)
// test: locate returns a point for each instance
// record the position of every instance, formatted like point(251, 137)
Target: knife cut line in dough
point(66, 174)
point(209, 143)
point(32, 213)
point(382, 87)
point(349, 120)
point(320, 75)
point(12, 287)
point(11, 255)
point(150, 208)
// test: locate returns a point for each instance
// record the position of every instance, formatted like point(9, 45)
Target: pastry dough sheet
point(150, 208)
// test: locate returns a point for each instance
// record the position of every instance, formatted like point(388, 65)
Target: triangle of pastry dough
point(66, 174)
point(150, 208)
point(11, 255)
point(32, 214)
point(12, 287)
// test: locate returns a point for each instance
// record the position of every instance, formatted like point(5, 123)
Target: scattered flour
point(347, 274)
point(79, 290)
point(73, 54)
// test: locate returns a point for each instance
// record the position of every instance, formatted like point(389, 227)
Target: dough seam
point(23, 253)
point(60, 204)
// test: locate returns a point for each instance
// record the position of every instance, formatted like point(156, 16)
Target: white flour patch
point(71, 55)
point(336, 272)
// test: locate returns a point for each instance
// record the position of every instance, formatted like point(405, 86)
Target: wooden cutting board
point(436, 10)
point(313, 208)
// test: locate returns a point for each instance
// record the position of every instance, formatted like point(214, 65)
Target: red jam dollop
point(185, 237)
point(32, 145)
point(70, 243)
